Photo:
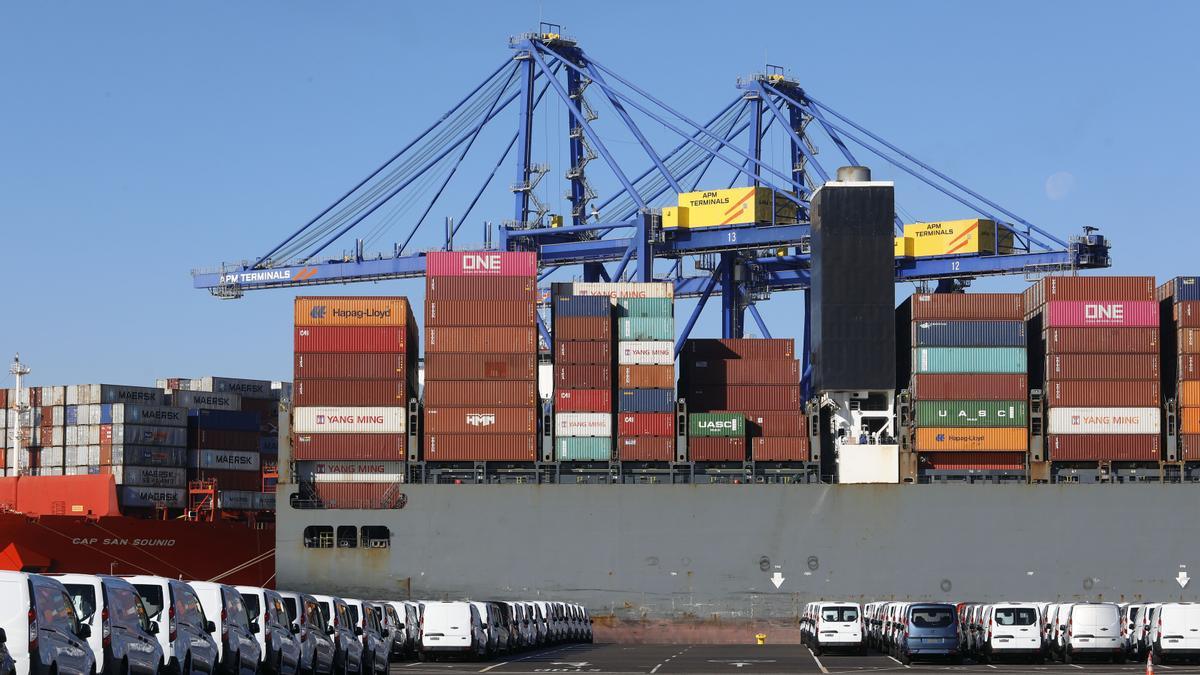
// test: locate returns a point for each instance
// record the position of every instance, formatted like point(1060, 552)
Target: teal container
point(973, 360)
point(646, 307)
point(593, 449)
point(646, 328)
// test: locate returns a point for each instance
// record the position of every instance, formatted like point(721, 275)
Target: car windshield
point(84, 598)
point(324, 610)
point(932, 617)
point(252, 607)
point(1016, 616)
point(152, 598)
point(290, 604)
point(840, 614)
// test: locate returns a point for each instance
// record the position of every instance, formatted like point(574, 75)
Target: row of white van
point(77, 624)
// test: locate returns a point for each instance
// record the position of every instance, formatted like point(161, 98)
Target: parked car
point(347, 648)
point(1093, 628)
point(238, 652)
point(184, 631)
point(7, 665)
point(42, 632)
point(376, 643)
point(452, 628)
point(309, 624)
point(1178, 632)
point(123, 639)
point(836, 625)
point(278, 640)
point(1011, 629)
point(929, 630)
point(393, 621)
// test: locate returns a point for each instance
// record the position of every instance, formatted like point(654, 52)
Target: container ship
point(176, 480)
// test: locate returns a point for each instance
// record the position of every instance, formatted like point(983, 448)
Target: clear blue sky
point(142, 139)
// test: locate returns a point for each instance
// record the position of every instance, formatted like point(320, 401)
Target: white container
point(350, 470)
point(58, 415)
point(149, 497)
point(206, 400)
point(149, 476)
point(54, 396)
point(646, 353)
point(1104, 420)
point(115, 393)
point(359, 478)
point(241, 500)
point(349, 420)
point(624, 290)
point(577, 425)
point(230, 460)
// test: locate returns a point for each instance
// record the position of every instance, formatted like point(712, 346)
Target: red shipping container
point(740, 348)
point(583, 328)
point(351, 366)
point(1104, 394)
point(1097, 447)
point(218, 439)
point(1189, 447)
point(4, 399)
point(977, 461)
point(582, 377)
point(350, 339)
point(1189, 341)
point(743, 371)
point(250, 481)
point(705, 449)
point(646, 448)
point(480, 367)
point(1187, 314)
point(775, 424)
point(779, 449)
point(344, 495)
point(480, 313)
point(493, 288)
point(1089, 288)
point(1189, 367)
point(480, 264)
point(646, 377)
point(1101, 367)
point(267, 407)
point(583, 400)
point(645, 424)
point(480, 420)
point(480, 448)
point(1128, 313)
point(954, 387)
point(381, 447)
point(738, 398)
point(583, 352)
point(1102, 340)
point(350, 392)
point(494, 340)
point(980, 306)
point(502, 394)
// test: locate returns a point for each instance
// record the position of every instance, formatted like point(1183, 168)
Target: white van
point(184, 631)
point(836, 625)
point(41, 629)
point(1178, 631)
point(1012, 629)
point(238, 652)
point(452, 628)
point(1093, 628)
point(278, 641)
point(122, 637)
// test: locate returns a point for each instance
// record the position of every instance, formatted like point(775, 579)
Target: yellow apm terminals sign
point(735, 206)
point(957, 237)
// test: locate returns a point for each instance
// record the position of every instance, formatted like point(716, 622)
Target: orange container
point(646, 377)
point(1189, 393)
point(943, 439)
point(1189, 420)
point(352, 311)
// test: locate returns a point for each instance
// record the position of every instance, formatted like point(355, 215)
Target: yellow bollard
point(761, 638)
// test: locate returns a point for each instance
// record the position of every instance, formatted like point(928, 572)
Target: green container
point(717, 425)
point(592, 449)
point(645, 307)
point(971, 414)
point(970, 360)
point(646, 328)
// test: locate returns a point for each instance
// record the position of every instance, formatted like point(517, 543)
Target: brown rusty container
point(352, 339)
point(474, 288)
point(480, 420)
point(316, 447)
point(1104, 394)
point(480, 367)
point(583, 352)
point(978, 461)
point(583, 328)
point(480, 448)
point(222, 439)
point(775, 424)
point(480, 313)
point(646, 448)
point(646, 424)
point(977, 306)
point(1088, 289)
point(582, 377)
point(646, 377)
point(1189, 341)
point(1097, 447)
point(742, 371)
point(1187, 314)
point(1101, 367)
point(1102, 340)
point(779, 449)
point(249, 481)
point(502, 393)
point(1189, 367)
point(351, 366)
point(739, 398)
point(741, 348)
point(952, 387)
point(350, 392)
point(714, 449)
point(494, 340)
point(1190, 447)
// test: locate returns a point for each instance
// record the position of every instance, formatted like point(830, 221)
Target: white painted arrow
point(580, 664)
point(777, 579)
point(1182, 579)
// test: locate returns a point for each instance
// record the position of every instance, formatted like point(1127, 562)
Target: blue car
point(930, 631)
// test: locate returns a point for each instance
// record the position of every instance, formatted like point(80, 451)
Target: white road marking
point(818, 661)
point(495, 665)
point(1076, 665)
point(991, 666)
point(655, 669)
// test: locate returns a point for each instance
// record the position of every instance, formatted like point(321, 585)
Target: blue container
point(969, 333)
point(646, 400)
point(229, 420)
point(1186, 288)
point(71, 415)
point(582, 305)
point(268, 443)
point(969, 360)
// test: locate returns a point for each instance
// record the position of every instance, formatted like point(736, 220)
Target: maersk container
point(969, 360)
point(1103, 421)
point(968, 333)
point(70, 415)
point(646, 328)
point(646, 400)
point(149, 476)
point(645, 307)
point(140, 455)
point(126, 413)
point(722, 425)
point(237, 500)
point(130, 434)
point(581, 305)
point(970, 413)
point(230, 460)
point(204, 400)
point(259, 389)
point(1124, 313)
point(112, 393)
point(583, 449)
point(332, 419)
point(583, 424)
point(151, 497)
point(229, 420)
point(645, 353)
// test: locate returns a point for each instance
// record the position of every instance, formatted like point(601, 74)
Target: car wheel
point(1066, 657)
point(906, 658)
point(816, 649)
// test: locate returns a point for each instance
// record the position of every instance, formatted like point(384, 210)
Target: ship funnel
point(853, 174)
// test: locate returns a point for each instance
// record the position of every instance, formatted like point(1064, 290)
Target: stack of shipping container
point(969, 380)
point(1100, 373)
point(481, 348)
point(1179, 312)
point(355, 368)
point(756, 381)
point(583, 376)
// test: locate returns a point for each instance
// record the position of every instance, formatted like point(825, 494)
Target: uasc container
point(719, 424)
point(970, 413)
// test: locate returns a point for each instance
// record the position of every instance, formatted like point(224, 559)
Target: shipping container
point(350, 392)
point(494, 340)
point(480, 367)
point(615, 291)
point(1189, 420)
point(223, 438)
point(646, 328)
point(238, 500)
point(126, 413)
point(582, 377)
point(1073, 288)
point(583, 400)
point(232, 420)
point(227, 479)
point(742, 371)
point(1124, 313)
point(480, 448)
point(78, 394)
point(247, 389)
point(1188, 341)
point(645, 353)
point(645, 377)
point(480, 264)
point(645, 307)
point(1189, 446)
point(384, 494)
point(972, 360)
point(348, 470)
point(228, 460)
point(929, 333)
point(739, 348)
point(743, 398)
point(977, 387)
point(350, 340)
point(203, 400)
point(977, 306)
point(646, 448)
point(140, 455)
point(351, 311)
point(583, 328)
point(583, 449)
point(776, 424)
point(1180, 289)
point(139, 434)
point(1102, 340)
point(583, 352)
point(1101, 366)
point(480, 313)
point(1103, 420)
point(502, 394)
point(721, 424)
point(349, 420)
point(148, 476)
point(943, 439)
point(1096, 447)
point(970, 413)
point(716, 449)
point(1189, 367)
point(480, 420)
point(151, 497)
point(583, 424)
point(1189, 393)
point(332, 447)
point(646, 400)
point(646, 424)
point(972, 461)
point(495, 289)
point(779, 449)
point(1187, 314)
point(581, 305)
point(1093, 393)
point(351, 366)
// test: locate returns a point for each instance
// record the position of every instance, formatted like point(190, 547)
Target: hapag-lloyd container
point(1103, 420)
point(646, 448)
point(480, 264)
point(1102, 340)
point(480, 448)
point(614, 291)
point(1082, 313)
point(351, 311)
point(583, 449)
point(645, 377)
point(942, 333)
point(126, 413)
point(480, 313)
point(1100, 393)
point(779, 449)
point(969, 360)
point(1101, 366)
point(1093, 447)
point(480, 367)
point(977, 387)
point(351, 366)
point(480, 420)
point(997, 306)
point(745, 398)
point(491, 340)
point(1187, 314)
point(350, 392)
point(583, 400)
point(742, 371)
point(977, 461)
point(645, 424)
point(716, 449)
point(350, 420)
point(947, 439)
point(740, 348)
point(583, 352)
point(583, 424)
point(721, 424)
point(583, 328)
point(970, 413)
point(495, 288)
point(646, 400)
point(499, 393)
point(230, 460)
point(646, 328)
point(348, 447)
point(645, 353)
point(350, 339)
point(582, 377)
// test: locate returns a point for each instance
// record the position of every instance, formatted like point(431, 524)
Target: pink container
point(480, 264)
point(1066, 313)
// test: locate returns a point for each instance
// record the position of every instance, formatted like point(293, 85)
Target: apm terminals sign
point(288, 275)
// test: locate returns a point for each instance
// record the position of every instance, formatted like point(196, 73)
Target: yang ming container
point(931, 333)
point(716, 449)
point(1095, 447)
point(480, 448)
point(493, 340)
point(509, 394)
point(615, 291)
point(977, 387)
point(1102, 340)
point(646, 400)
point(583, 400)
point(1103, 421)
point(493, 289)
point(1101, 366)
point(1092, 393)
point(480, 419)
point(583, 424)
point(480, 313)
point(350, 420)
point(480, 367)
point(995, 306)
point(946, 439)
point(646, 328)
point(970, 413)
point(969, 360)
point(645, 353)
point(353, 340)
point(583, 449)
point(740, 348)
point(351, 366)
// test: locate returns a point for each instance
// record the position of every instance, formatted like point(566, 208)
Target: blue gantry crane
point(611, 227)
